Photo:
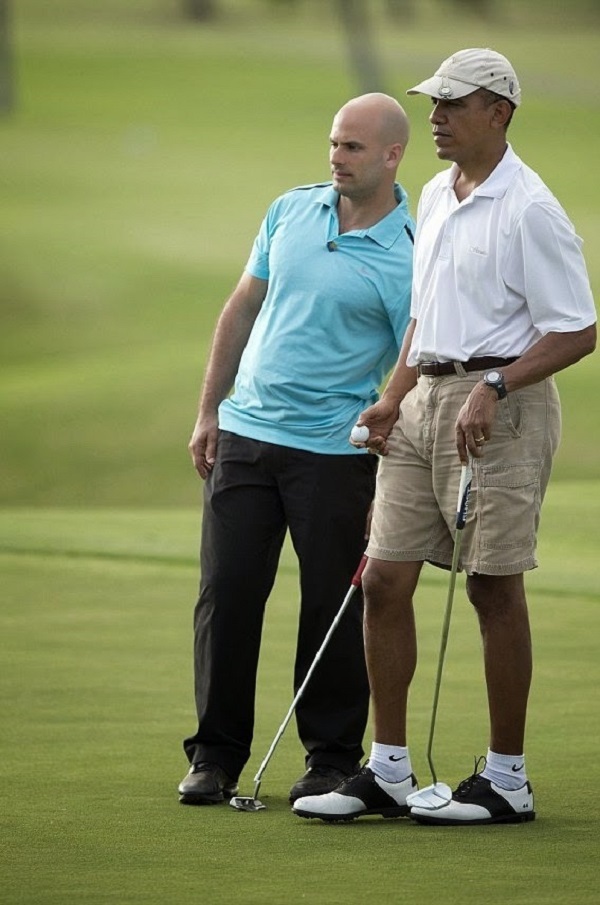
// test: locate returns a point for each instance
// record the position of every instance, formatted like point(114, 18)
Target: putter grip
point(466, 475)
point(356, 580)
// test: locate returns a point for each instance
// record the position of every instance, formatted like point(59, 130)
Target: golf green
point(139, 157)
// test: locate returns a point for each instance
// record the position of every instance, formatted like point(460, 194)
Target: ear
point(393, 156)
point(501, 114)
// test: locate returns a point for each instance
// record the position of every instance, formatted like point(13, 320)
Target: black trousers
point(256, 492)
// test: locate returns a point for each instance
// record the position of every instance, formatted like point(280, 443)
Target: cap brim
point(451, 88)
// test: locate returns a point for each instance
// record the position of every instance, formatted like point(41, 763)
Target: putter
point(439, 794)
point(241, 803)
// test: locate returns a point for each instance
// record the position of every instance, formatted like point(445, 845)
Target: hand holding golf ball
point(359, 433)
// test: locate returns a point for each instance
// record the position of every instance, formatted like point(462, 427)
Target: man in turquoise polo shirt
point(305, 340)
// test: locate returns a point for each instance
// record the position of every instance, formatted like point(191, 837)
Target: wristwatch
point(495, 379)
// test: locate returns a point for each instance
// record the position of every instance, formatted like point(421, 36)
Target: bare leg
point(390, 644)
point(504, 623)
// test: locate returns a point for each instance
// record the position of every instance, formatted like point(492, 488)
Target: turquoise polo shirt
point(331, 324)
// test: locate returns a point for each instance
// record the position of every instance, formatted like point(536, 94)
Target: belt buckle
point(433, 367)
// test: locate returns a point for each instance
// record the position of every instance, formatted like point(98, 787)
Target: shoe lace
point(329, 770)
point(321, 770)
point(348, 779)
point(467, 784)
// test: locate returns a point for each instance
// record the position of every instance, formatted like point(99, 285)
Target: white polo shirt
point(497, 271)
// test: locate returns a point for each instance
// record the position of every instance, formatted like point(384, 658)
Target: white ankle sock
point(505, 770)
point(390, 762)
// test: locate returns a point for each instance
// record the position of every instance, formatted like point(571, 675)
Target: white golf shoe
point(479, 801)
point(356, 796)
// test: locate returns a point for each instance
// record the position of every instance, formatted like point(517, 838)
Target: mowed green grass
point(136, 167)
point(137, 164)
point(96, 698)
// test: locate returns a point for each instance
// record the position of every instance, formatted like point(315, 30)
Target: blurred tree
point(400, 10)
point(200, 10)
point(482, 8)
point(6, 59)
point(356, 21)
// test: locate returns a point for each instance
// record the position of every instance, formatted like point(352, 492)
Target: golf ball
point(359, 433)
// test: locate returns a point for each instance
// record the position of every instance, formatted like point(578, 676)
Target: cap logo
point(511, 86)
point(445, 90)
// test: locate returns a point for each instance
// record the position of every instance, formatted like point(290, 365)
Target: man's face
point(357, 156)
point(462, 127)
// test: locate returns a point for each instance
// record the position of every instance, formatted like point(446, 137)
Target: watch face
point(493, 376)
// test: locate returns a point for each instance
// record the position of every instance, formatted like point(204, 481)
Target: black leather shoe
point(319, 780)
point(206, 784)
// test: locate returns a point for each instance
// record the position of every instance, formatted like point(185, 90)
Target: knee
point(496, 597)
point(476, 592)
point(387, 584)
point(374, 581)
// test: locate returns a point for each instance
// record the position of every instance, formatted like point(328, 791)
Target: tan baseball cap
point(468, 70)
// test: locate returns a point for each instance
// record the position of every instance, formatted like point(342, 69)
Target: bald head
point(367, 142)
point(380, 113)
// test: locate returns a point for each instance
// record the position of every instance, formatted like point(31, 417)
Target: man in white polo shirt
point(501, 301)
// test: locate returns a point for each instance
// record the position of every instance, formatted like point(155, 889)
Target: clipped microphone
point(331, 245)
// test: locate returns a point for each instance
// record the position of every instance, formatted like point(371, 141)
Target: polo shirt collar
point(497, 183)
point(387, 230)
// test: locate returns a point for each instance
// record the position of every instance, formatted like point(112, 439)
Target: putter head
point(246, 804)
point(431, 798)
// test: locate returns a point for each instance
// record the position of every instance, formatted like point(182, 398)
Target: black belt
point(439, 368)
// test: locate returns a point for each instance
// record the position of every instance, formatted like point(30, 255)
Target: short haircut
point(490, 97)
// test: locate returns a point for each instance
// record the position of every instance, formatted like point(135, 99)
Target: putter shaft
point(354, 584)
point(461, 517)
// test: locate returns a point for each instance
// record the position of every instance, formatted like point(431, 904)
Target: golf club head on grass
point(251, 804)
point(431, 798)
point(246, 804)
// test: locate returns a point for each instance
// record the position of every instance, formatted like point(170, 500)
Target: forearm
point(552, 353)
point(229, 340)
point(231, 335)
point(403, 377)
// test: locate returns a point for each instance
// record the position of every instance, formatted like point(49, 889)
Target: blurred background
point(141, 143)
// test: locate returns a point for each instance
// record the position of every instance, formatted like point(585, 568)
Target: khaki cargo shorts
point(417, 483)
